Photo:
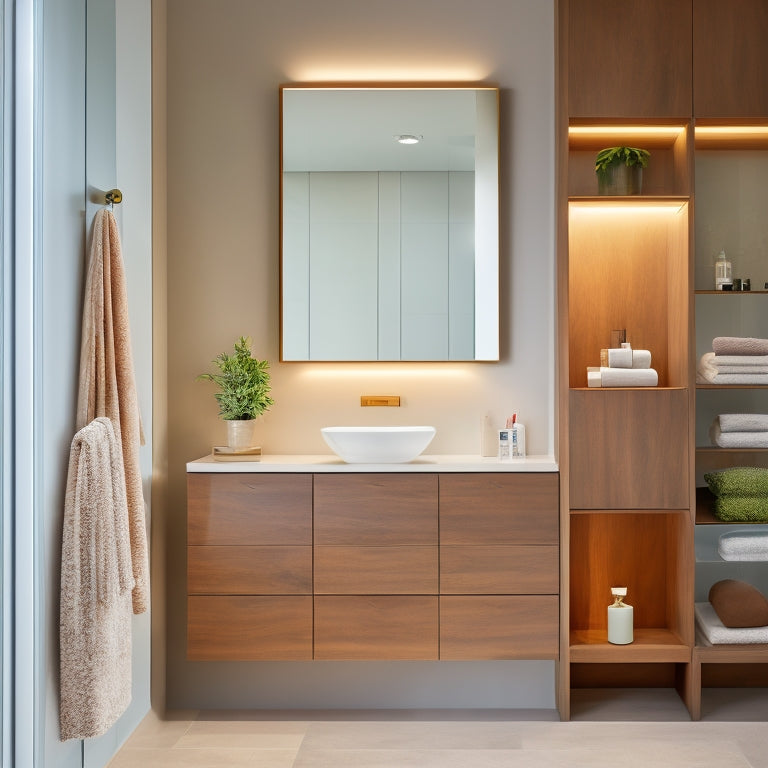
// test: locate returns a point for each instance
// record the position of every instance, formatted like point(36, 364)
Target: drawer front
point(389, 627)
point(498, 508)
point(375, 509)
point(249, 570)
point(233, 628)
point(499, 570)
point(501, 627)
point(376, 570)
point(245, 508)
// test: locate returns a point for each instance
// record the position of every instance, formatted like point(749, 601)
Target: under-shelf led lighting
point(732, 131)
point(623, 207)
point(667, 132)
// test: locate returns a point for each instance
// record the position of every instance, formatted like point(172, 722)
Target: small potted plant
point(243, 392)
point(620, 170)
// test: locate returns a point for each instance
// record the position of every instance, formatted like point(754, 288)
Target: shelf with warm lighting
point(667, 171)
point(719, 135)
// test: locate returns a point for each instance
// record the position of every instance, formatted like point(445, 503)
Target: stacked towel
point(744, 546)
point(717, 633)
point(734, 360)
point(623, 367)
point(741, 493)
point(739, 430)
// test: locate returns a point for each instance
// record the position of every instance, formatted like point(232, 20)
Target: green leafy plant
point(628, 156)
point(243, 382)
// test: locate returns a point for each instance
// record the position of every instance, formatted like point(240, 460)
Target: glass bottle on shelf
point(723, 273)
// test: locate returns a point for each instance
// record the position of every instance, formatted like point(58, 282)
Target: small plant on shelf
point(620, 170)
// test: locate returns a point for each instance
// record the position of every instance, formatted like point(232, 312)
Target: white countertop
point(331, 463)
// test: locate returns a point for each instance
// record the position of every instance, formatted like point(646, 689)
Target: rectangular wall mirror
point(389, 217)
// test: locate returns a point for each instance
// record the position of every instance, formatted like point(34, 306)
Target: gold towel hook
point(114, 196)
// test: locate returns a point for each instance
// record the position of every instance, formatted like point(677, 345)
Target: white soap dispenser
point(620, 618)
point(723, 272)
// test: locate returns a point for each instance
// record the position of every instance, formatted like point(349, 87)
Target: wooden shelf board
point(634, 389)
point(716, 449)
point(650, 645)
point(731, 386)
point(727, 293)
point(754, 653)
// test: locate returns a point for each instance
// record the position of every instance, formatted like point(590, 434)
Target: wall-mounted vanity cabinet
point(419, 565)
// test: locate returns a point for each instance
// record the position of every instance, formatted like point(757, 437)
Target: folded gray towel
point(716, 632)
point(737, 345)
point(737, 439)
point(743, 422)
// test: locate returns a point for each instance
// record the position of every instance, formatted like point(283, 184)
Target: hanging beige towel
point(96, 584)
point(107, 382)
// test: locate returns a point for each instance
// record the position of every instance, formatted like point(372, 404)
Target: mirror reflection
point(389, 210)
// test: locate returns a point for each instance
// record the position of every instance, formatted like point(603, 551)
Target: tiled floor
point(466, 739)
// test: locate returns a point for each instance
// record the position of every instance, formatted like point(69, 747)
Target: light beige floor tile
point(203, 758)
point(254, 734)
point(154, 731)
point(408, 735)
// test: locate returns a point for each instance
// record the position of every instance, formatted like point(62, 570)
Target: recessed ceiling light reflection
point(408, 138)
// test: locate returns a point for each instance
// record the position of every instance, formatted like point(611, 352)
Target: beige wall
point(225, 61)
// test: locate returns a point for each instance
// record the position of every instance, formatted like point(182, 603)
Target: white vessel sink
point(377, 445)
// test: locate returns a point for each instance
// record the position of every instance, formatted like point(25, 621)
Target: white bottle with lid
point(723, 272)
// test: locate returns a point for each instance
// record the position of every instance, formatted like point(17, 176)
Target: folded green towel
point(742, 508)
point(738, 481)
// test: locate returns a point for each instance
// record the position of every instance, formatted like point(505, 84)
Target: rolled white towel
point(628, 377)
point(743, 422)
point(641, 358)
point(717, 633)
point(744, 546)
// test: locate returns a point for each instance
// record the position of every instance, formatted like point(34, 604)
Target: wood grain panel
point(631, 59)
point(616, 281)
point(375, 509)
point(248, 508)
point(249, 570)
point(376, 570)
point(249, 628)
point(730, 58)
point(629, 449)
point(609, 550)
point(499, 570)
point(499, 627)
point(390, 627)
point(499, 508)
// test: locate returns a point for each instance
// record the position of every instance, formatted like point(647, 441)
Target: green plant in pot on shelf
point(620, 170)
point(243, 394)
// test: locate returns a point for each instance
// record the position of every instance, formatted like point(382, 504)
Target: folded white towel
point(620, 358)
point(744, 546)
point(717, 633)
point(749, 361)
point(706, 373)
point(628, 377)
point(738, 345)
point(736, 439)
point(743, 422)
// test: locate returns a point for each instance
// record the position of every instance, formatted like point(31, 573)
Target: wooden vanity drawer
point(497, 508)
point(499, 627)
point(235, 628)
point(375, 509)
point(499, 570)
point(249, 570)
point(376, 570)
point(374, 627)
point(249, 508)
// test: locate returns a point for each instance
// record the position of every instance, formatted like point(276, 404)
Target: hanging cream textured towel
point(96, 583)
point(107, 382)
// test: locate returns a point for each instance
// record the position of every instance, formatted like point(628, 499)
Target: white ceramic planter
point(240, 434)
